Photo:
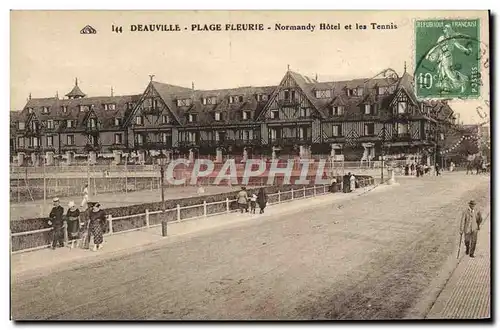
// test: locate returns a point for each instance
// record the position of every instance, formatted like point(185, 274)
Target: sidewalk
point(467, 293)
point(42, 261)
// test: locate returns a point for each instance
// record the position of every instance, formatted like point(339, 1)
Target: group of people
point(419, 170)
point(77, 227)
point(245, 200)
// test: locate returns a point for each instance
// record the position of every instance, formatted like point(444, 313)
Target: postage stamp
point(447, 55)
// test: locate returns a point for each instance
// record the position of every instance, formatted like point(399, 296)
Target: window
point(323, 94)
point(50, 141)
point(118, 121)
point(164, 137)
point(109, 106)
point(246, 115)
point(231, 99)
point(130, 105)
point(402, 107)
point(337, 130)
point(165, 119)
point(64, 108)
point(240, 98)
point(293, 95)
point(118, 138)
point(140, 139)
point(360, 91)
point(261, 97)
point(302, 133)
point(275, 114)
point(274, 134)
point(210, 100)
point(184, 102)
point(45, 110)
point(20, 142)
point(305, 112)
point(246, 135)
point(217, 116)
point(338, 111)
point(139, 120)
point(70, 140)
point(402, 129)
point(69, 123)
point(92, 122)
point(30, 110)
point(382, 90)
point(156, 104)
point(287, 94)
point(192, 136)
point(391, 89)
point(191, 118)
point(21, 125)
point(84, 108)
point(35, 142)
point(369, 129)
point(50, 124)
point(350, 92)
point(368, 109)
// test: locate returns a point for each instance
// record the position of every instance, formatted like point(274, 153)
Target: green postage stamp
point(447, 58)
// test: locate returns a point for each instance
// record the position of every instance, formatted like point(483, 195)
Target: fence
point(152, 219)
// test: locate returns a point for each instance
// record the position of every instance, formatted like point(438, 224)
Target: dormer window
point(30, 110)
point(139, 120)
point(191, 118)
point(45, 110)
point(156, 104)
point(92, 123)
point(217, 116)
point(349, 92)
point(360, 91)
point(118, 121)
point(130, 105)
point(246, 115)
point(20, 125)
point(50, 124)
point(184, 102)
point(235, 99)
point(275, 114)
point(323, 94)
point(110, 106)
point(84, 108)
point(262, 97)
point(402, 107)
point(209, 100)
point(69, 124)
point(165, 119)
point(368, 109)
point(64, 108)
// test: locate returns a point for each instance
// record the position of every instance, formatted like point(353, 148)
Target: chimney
point(29, 97)
point(57, 95)
point(111, 91)
point(192, 85)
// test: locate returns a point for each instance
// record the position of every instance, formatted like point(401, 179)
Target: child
point(253, 203)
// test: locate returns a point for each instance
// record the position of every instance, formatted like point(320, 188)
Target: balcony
point(288, 103)
point(289, 141)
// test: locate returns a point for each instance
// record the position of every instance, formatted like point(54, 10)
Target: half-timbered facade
point(357, 120)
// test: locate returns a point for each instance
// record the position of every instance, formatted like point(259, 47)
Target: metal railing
point(176, 214)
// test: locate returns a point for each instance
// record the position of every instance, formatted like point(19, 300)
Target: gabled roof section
point(307, 86)
point(406, 83)
point(167, 93)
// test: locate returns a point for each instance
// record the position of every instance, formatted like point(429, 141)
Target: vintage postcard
point(250, 165)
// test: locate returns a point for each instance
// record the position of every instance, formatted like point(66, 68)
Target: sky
point(48, 51)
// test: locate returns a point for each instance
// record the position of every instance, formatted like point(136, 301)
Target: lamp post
point(382, 145)
point(162, 159)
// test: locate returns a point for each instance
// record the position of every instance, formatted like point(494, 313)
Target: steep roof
point(76, 91)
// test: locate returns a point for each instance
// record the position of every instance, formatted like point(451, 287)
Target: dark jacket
point(56, 216)
point(262, 199)
point(98, 217)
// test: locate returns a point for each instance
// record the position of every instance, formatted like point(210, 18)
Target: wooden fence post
point(292, 193)
point(324, 189)
point(279, 196)
point(314, 190)
point(227, 205)
point(178, 212)
point(304, 190)
point(147, 218)
point(110, 222)
point(204, 208)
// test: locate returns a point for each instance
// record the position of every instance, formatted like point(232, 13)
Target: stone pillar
point(245, 155)
point(191, 156)
point(302, 152)
point(68, 157)
point(168, 154)
point(117, 157)
point(142, 157)
point(93, 157)
point(20, 158)
point(273, 155)
point(218, 155)
point(49, 156)
point(332, 151)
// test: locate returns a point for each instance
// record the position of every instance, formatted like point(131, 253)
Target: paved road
point(367, 258)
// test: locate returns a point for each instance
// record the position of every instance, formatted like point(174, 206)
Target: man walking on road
point(469, 226)
point(57, 223)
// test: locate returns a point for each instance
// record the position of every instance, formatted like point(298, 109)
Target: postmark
point(448, 59)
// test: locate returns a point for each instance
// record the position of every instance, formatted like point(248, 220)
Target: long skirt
point(96, 232)
point(73, 228)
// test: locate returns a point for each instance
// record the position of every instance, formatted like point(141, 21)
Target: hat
point(472, 202)
point(56, 199)
point(71, 204)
